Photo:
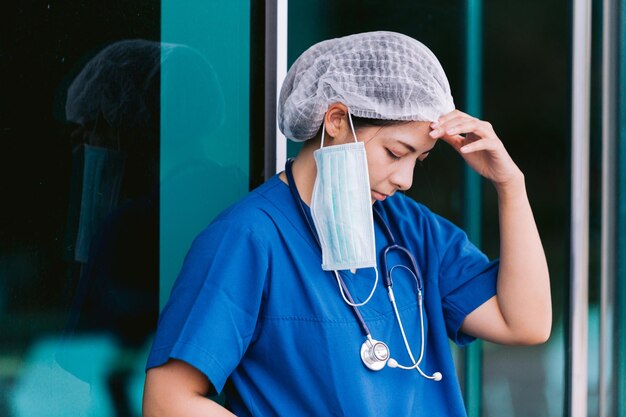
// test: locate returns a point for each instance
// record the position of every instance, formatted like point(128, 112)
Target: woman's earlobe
point(332, 127)
point(336, 120)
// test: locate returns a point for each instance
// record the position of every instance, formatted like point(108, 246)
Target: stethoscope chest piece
point(374, 354)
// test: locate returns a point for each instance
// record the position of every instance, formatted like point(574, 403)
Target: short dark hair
point(360, 122)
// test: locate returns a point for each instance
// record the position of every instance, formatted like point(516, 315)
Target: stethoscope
point(374, 353)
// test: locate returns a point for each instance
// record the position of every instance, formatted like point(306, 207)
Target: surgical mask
point(96, 179)
point(341, 206)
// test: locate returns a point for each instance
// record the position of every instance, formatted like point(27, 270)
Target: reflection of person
point(253, 312)
point(113, 228)
point(115, 103)
point(113, 217)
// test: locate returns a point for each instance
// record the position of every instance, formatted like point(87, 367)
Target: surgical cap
point(378, 75)
point(123, 84)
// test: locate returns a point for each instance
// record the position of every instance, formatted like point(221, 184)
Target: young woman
point(326, 291)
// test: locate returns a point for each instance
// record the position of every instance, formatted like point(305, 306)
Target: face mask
point(96, 179)
point(341, 206)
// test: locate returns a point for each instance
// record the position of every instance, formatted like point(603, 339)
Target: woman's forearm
point(176, 389)
point(523, 281)
point(173, 406)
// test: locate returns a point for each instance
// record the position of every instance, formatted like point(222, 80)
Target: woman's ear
point(337, 124)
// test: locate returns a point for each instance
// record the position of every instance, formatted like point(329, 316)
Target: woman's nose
point(403, 177)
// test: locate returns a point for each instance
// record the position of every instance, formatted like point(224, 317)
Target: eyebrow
point(412, 149)
point(407, 146)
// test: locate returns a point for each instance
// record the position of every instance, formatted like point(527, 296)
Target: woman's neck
point(304, 171)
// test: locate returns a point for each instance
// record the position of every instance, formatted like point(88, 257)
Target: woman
point(280, 300)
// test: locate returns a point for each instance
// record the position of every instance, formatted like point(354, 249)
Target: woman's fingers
point(479, 128)
point(456, 141)
point(476, 140)
point(479, 145)
point(454, 113)
point(462, 125)
point(465, 133)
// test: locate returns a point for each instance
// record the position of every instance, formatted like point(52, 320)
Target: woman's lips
point(378, 196)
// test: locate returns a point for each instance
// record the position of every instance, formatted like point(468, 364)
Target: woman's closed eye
point(392, 154)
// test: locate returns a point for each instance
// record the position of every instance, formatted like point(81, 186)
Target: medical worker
point(326, 291)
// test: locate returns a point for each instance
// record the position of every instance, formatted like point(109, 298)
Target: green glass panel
point(473, 194)
point(526, 97)
point(620, 283)
point(78, 271)
point(204, 121)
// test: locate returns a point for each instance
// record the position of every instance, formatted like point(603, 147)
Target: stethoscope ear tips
point(392, 363)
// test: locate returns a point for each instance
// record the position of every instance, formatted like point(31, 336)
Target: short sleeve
point(467, 278)
point(211, 316)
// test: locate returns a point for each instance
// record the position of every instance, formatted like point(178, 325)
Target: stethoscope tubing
point(300, 204)
point(387, 281)
point(388, 284)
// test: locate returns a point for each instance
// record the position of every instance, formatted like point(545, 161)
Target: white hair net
point(378, 75)
point(123, 84)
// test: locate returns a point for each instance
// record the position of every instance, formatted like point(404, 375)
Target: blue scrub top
point(252, 305)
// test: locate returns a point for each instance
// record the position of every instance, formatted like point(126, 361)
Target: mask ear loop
point(369, 297)
point(352, 127)
point(343, 295)
point(323, 131)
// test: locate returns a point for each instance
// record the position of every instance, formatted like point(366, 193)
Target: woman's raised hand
point(478, 144)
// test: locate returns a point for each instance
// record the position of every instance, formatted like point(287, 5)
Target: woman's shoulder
point(257, 210)
point(409, 214)
point(401, 205)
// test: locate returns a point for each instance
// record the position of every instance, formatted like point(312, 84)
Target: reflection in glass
point(111, 238)
point(85, 171)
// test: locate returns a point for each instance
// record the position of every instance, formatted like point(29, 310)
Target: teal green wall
point(204, 121)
